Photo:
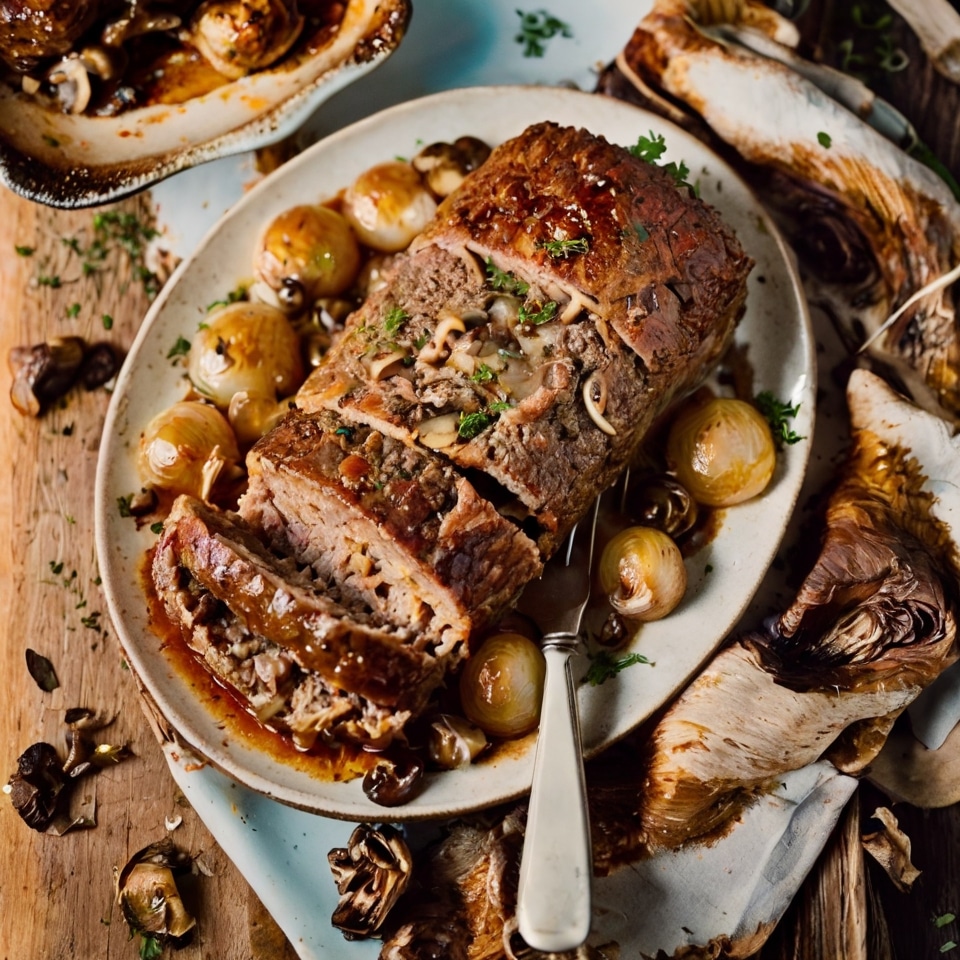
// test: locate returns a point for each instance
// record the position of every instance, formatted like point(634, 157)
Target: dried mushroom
point(36, 786)
point(371, 873)
point(148, 896)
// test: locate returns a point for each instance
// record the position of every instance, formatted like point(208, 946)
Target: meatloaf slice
point(392, 528)
point(562, 297)
point(302, 659)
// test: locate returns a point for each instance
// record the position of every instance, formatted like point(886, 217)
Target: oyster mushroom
point(147, 893)
point(239, 36)
point(371, 873)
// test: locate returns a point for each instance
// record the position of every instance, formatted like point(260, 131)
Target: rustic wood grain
point(56, 892)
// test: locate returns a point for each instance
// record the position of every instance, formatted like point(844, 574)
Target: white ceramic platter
point(722, 576)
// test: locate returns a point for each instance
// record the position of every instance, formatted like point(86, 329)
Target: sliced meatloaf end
point(210, 569)
point(560, 300)
point(395, 528)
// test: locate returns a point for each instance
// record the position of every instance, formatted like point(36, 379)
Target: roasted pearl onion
point(721, 450)
point(186, 448)
point(642, 573)
point(248, 347)
point(388, 205)
point(502, 685)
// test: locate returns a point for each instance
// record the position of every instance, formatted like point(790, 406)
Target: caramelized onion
point(642, 573)
point(502, 685)
point(721, 450)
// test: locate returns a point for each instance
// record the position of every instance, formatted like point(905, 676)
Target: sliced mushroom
point(44, 372)
point(371, 873)
point(147, 892)
point(72, 83)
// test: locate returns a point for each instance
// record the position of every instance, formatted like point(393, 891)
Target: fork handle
point(556, 867)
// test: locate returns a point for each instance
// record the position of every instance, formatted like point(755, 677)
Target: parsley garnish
point(778, 413)
point(483, 374)
point(107, 321)
point(180, 349)
point(150, 947)
point(605, 665)
point(944, 919)
point(395, 319)
point(473, 424)
point(123, 505)
point(24, 251)
point(156, 527)
point(538, 313)
point(236, 295)
point(73, 310)
point(563, 248)
point(502, 280)
point(651, 149)
point(49, 281)
point(538, 27)
point(824, 139)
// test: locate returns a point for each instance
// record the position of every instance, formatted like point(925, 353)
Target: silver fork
point(556, 867)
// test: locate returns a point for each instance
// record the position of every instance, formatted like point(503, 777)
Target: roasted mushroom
point(239, 36)
point(35, 788)
point(444, 165)
point(147, 893)
point(44, 372)
point(371, 872)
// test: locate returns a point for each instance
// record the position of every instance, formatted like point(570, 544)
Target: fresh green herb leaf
point(123, 505)
point(504, 281)
point(73, 310)
point(93, 621)
point(150, 947)
point(949, 945)
point(778, 413)
point(25, 251)
point(396, 317)
point(236, 295)
point(944, 919)
point(180, 349)
point(605, 665)
point(538, 27)
point(498, 406)
point(156, 527)
point(824, 139)
point(537, 313)
point(56, 567)
point(41, 669)
point(483, 374)
point(52, 281)
point(421, 340)
point(563, 248)
point(650, 148)
point(107, 321)
point(473, 424)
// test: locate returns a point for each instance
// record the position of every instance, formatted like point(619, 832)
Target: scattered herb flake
point(237, 295)
point(824, 139)
point(605, 665)
point(150, 947)
point(41, 669)
point(156, 527)
point(123, 505)
point(50, 141)
point(561, 249)
point(538, 27)
point(25, 251)
point(650, 148)
point(944, 919)
point(73, 310)
point(504, 281)
point(180, 349)
point(949, 945)
point(483, 374)
point(56, 567)
point(52, 281)
point(537, 313)
point(473, 424)
point(107, 321)
point(778, 413)
point(396, 317)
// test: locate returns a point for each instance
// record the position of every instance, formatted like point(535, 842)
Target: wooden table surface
point(56, 892)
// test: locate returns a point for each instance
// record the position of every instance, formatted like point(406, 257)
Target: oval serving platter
point(723, 576)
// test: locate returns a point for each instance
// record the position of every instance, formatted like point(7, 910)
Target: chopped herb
point(537, 313)
point(824, 139)
point(944, 919)
point(93, 621)
point(180, 349)
point(504, 281)
point(563, 248)
point(123, 505)
point(778, 413)
point(708, 568)
point(395, 319)
point(421, 340)
point(107, 321)
point(498, 406)
point(538, 27)
point(483, 374)
point(949, 945)
point(150, 947)
point(605, 665)
point(651, 149)
point(50, 141)
point(156, 527)
point(25, 251)
point(49, 281)
point(73, 310)
point(56, 567)
point(473, 424)
point(41, 669)
point(236, 295)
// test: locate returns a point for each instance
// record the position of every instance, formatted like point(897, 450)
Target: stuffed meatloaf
point(501, 377)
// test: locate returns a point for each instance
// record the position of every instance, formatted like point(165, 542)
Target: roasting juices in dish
point(500, 373)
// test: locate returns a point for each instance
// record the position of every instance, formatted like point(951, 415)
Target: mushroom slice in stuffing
point(371, 872)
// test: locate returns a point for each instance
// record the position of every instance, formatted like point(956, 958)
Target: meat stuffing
point(470, 412)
